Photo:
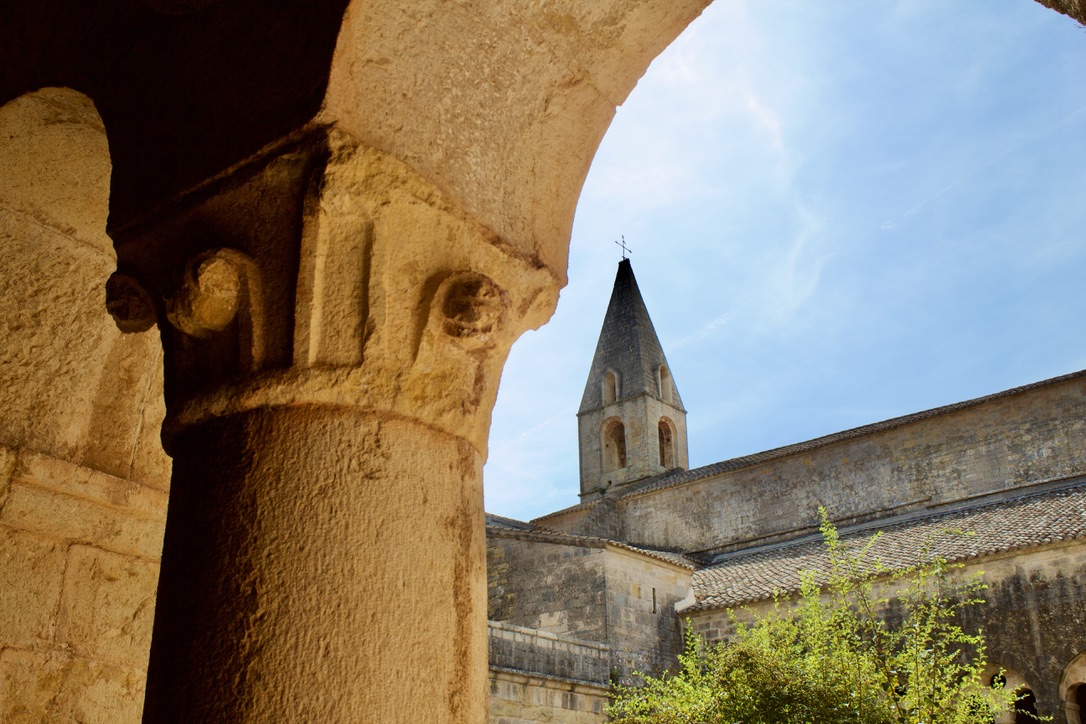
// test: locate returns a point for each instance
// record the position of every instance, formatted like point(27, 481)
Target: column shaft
point(321, 565)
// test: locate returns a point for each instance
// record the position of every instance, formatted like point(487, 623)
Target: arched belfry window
point(663, 379)
point(666, 434)
point(610, 387)
point(614, 445)
point(1078, 695)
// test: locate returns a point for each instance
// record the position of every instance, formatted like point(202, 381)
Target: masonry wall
point(548, 586)
point(617, 597)
point(536, 676)
point(79, 554)
point(1031, 437)
point(644, 631)
point(1034, 619)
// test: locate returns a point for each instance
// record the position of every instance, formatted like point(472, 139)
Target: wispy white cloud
point(709, 329)
point(795, 274)
point(766, 119)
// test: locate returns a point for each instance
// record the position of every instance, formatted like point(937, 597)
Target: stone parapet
point(532, 651)
point(517, 698)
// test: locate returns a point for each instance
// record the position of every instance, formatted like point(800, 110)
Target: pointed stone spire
point(627, 345)
point(631, 422)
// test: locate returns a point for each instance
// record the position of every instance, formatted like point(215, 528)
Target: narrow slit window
point(610, 387)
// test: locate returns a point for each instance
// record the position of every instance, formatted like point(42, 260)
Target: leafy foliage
point(845, 651)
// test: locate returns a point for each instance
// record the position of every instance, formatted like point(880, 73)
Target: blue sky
point(840, 212)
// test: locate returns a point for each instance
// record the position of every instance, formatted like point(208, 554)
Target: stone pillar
point(334, 332)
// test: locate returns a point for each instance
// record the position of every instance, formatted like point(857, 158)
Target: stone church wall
point(643, 628)
point(1035, 618)
point(1033, 436)
point(599, 592)
point(548, 586)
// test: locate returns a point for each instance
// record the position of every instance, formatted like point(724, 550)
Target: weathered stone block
point(35, 509)
point(82, 482)
point(108, 604)
point(31, 576)
point(103, 694)
point(55, 687)
point(30, 687)
point(7, 467)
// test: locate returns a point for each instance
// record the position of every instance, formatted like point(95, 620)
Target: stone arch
point(75, 387)
point(1072, 690)
point(530, 110)
point(665, 430)
point(613, 444)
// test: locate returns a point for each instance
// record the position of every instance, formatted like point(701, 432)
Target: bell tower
point(631, 424)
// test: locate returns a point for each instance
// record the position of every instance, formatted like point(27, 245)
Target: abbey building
point(590, 594)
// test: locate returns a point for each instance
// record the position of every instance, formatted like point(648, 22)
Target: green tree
point(833, 656)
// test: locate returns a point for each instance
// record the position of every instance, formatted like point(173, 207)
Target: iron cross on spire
point(625, 249)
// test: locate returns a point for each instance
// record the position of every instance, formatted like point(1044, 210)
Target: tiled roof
point(546, 535)
point(1035, 520)
point(680, 477)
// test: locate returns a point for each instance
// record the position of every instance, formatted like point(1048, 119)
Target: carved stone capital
point(326, 273)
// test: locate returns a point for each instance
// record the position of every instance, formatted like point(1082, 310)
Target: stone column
point(334, 332)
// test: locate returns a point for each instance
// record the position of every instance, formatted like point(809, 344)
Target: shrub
point(832, 655)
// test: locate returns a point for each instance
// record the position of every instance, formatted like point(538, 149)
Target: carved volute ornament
point(129, 304)
point(207, 301)
point(473, 306)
